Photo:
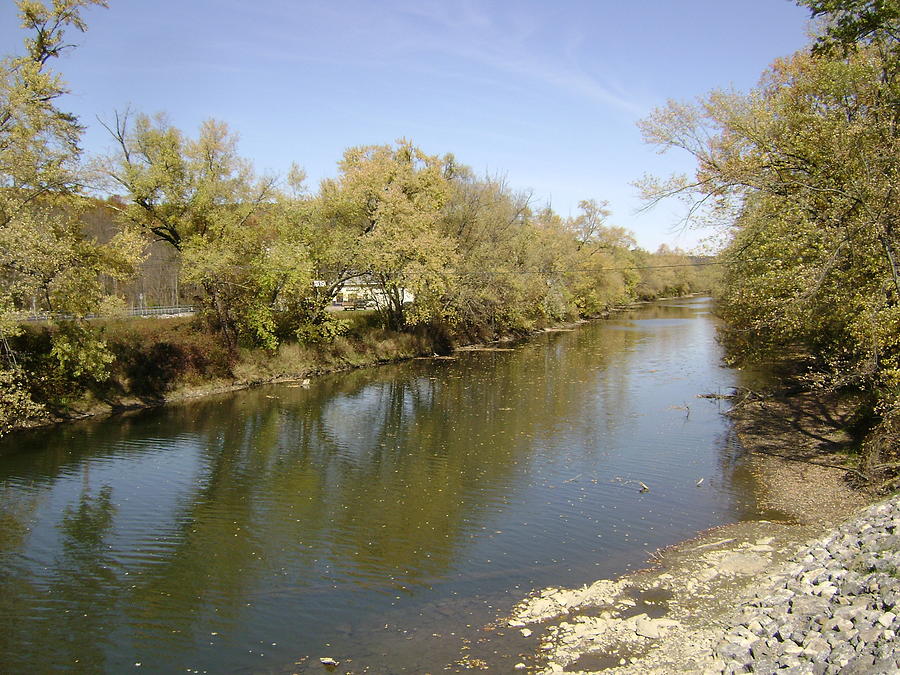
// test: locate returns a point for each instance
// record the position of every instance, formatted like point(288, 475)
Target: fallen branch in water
point(623, 481)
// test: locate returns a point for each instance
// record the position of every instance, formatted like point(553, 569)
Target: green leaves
point(180, 187)
point(16, 404)
point(385, 209)
point(46, 262)
point(851, 22)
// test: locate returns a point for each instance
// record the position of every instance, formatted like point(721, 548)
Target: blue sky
point(545, 93)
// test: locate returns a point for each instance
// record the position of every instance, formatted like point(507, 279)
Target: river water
point(381, 517)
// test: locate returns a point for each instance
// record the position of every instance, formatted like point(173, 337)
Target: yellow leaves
point(16, 404)
point(387, 207)
point(10, 326)
point(812, 156)
point(80, 352)
point(674, 125)
point(122, 254)
point(179, 186)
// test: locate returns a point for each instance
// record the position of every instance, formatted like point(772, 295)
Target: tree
point(808, 165)
point(384, 211)
point(180, 188)
point(590, 224)
point(670, 272)
point(852, 22)
point(604, 260)
point(46, 262)
point(510, 271)
point(228, 225)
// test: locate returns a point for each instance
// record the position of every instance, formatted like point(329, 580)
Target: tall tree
point(808, 164)
point(46, 262)
point(385, 207)
point(179, 187)
point(226, 223)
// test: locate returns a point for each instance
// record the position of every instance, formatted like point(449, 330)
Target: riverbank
point(157, 361)
point(163, 361)
point(716, 603)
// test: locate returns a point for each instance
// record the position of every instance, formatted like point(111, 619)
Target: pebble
point(831, 610)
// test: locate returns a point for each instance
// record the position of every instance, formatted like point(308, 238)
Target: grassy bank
point(152, 361)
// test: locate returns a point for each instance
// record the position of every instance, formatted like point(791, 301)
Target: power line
point(658, 267)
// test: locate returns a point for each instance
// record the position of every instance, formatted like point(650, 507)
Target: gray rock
point(860, 665)
point(840, 625)
point(884, 667)
point(887, 619)
point(733, 651)
point(756, 628)
point(830, 610)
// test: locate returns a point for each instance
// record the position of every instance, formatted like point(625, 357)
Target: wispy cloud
point(526, 42)
point(522, 42)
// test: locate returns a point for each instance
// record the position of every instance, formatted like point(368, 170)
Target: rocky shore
point(831, 610)
point(815, 593)
point(753, 601)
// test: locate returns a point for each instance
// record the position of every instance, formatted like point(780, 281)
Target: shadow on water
point(379, 516)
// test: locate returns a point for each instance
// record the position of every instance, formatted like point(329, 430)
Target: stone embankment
point(834, 609)
point(753, 601)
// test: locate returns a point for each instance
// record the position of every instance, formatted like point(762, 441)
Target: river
point(381, 517)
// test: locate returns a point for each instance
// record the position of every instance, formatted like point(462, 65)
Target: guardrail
point(161, 311)
point(180, 310)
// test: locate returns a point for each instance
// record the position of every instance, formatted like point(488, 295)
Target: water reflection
point(243, 531)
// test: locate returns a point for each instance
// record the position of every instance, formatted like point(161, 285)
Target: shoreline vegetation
point(171, 372)
point(802, 170)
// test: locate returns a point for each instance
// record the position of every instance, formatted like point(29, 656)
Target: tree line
point(264, 256)
point(806, 170)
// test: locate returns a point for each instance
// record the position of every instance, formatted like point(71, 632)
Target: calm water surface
point(381, 517)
